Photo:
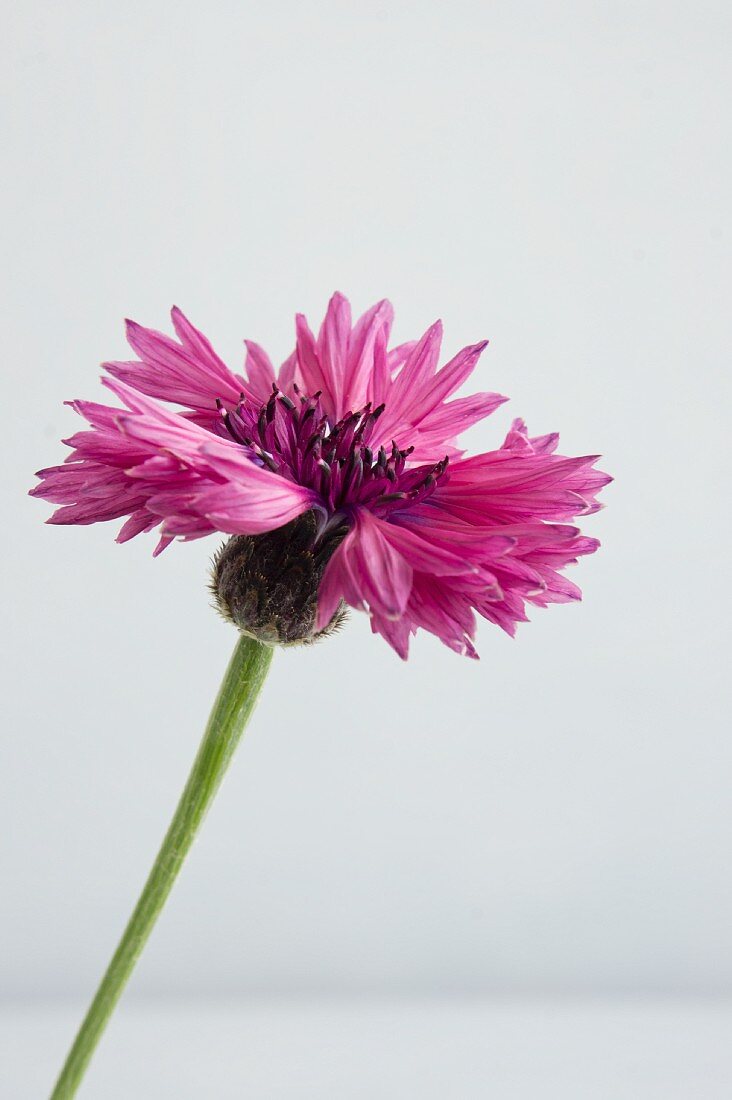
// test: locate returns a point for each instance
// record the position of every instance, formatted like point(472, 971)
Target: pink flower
point(361, 436)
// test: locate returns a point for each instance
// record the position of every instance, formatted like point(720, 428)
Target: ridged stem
point(234, 704)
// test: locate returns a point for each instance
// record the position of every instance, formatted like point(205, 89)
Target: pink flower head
point(362, 436)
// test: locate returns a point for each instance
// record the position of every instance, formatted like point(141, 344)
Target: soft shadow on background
point(555, 177)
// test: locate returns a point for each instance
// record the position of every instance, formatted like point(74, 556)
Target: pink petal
point(365, 571)
point(288, 374)
point(187, 373)
point(367, 373)
point(447, 380)
point(314, 377)
point(259, 372)
point(333, 349)
point(448, 421)
point(419, 367)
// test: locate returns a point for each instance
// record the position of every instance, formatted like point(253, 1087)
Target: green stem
point(234, 704)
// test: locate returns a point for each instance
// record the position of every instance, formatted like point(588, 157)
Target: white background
point(555, 819)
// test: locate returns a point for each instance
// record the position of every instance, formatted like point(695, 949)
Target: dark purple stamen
point(298, 442)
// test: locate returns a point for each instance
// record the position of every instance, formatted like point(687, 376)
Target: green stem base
point(233, 707)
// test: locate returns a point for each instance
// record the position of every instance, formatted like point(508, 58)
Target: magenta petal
point(139, 521)
point(366, 571)
point(367, 372)
point(448, 421)
point(382, 574)
point(260, 373)
point(422, 553)
point(396, 632)
point(187, 373)
point(288, 374)
point(314, 377)
point(419, 366)
point(448, 380)
point(333, 349)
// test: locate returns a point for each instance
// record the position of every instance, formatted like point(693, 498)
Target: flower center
point(296, 440)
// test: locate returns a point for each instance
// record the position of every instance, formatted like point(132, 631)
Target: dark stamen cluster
point(296, 440)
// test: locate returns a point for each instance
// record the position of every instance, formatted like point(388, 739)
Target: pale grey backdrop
point(553, 176)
